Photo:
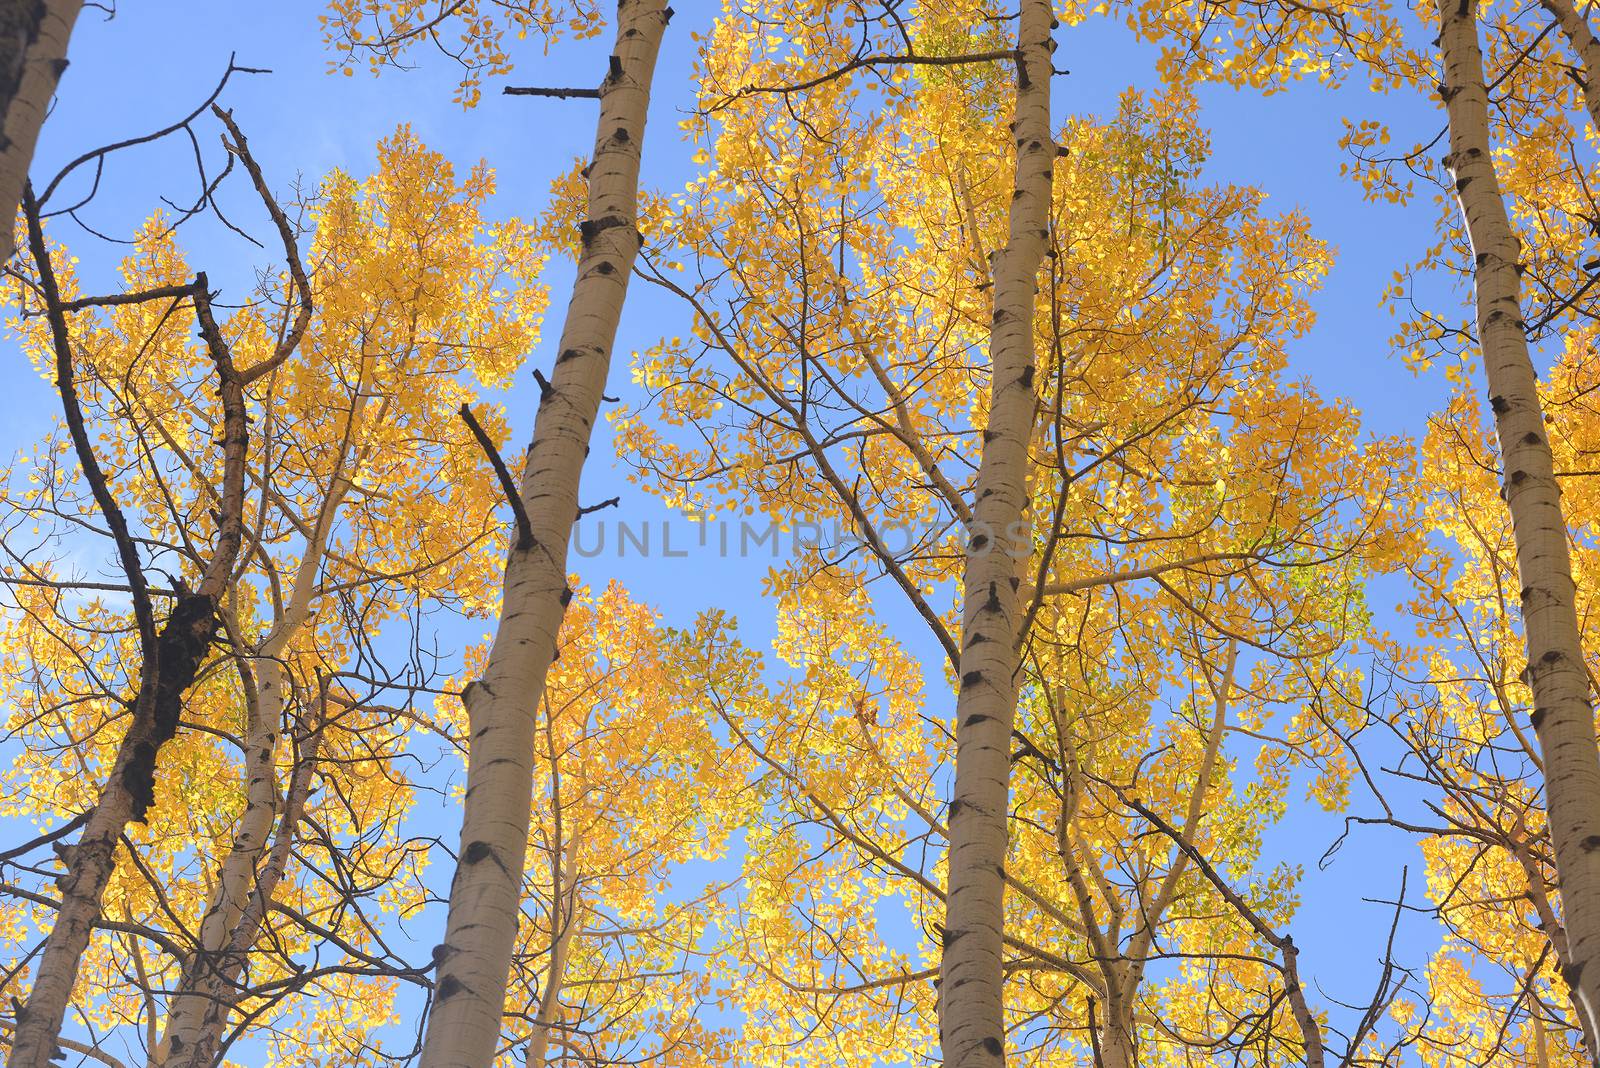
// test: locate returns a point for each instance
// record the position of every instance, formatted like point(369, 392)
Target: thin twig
point(99, 154)
point(291, 253)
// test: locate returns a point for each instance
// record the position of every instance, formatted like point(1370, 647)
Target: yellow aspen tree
point(403, 343)
point(380, 512)
point(971, 974)
point(1460, 712)
point(475, 957)
point(844, 760)
point(1518, 174)
point(170, 657)
point(635, 787)
point(835, 377)
point(1563, 717)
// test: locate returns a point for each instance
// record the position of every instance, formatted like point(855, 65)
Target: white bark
point(236, 877)
point(1563, 716)
point(971, 979)
point(33, 53)
point(565, 930)
point(211, 980)
point(474, 961)
point(1116, 1035)
point(195, 1021)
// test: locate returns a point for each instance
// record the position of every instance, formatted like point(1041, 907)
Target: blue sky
point(156, 60)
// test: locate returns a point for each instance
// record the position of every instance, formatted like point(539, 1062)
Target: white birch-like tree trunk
point(33, 53)
point(971, 979)
point(1563, 716)
point(211, 984)
point(198, 1010)
point(1117, 1048)
point(566, 929)
point(474, 961)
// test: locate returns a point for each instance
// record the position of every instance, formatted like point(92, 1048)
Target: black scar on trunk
point(180, 650)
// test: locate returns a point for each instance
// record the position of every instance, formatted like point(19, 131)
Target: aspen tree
point(1563, 717)
point(171, 657)
point(244, 884)
point(170, 660)
point(474, 959)
point(835, 253)
point(368, 505)
point(1460, 712)
point(614, 958)
point(971, 975)
point(195, 1026)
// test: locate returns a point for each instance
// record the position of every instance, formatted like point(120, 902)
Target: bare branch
point(524, 527)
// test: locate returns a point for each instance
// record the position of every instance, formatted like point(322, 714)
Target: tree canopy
point(1055, 630)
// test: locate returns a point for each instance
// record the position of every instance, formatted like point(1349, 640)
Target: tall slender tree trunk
point(33, 53)
point(199, 1008)
point(237, 874)
point(566, 929)
point(971, 1008)
point(210, 979)
point(474, 961)
point(1563, 717)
